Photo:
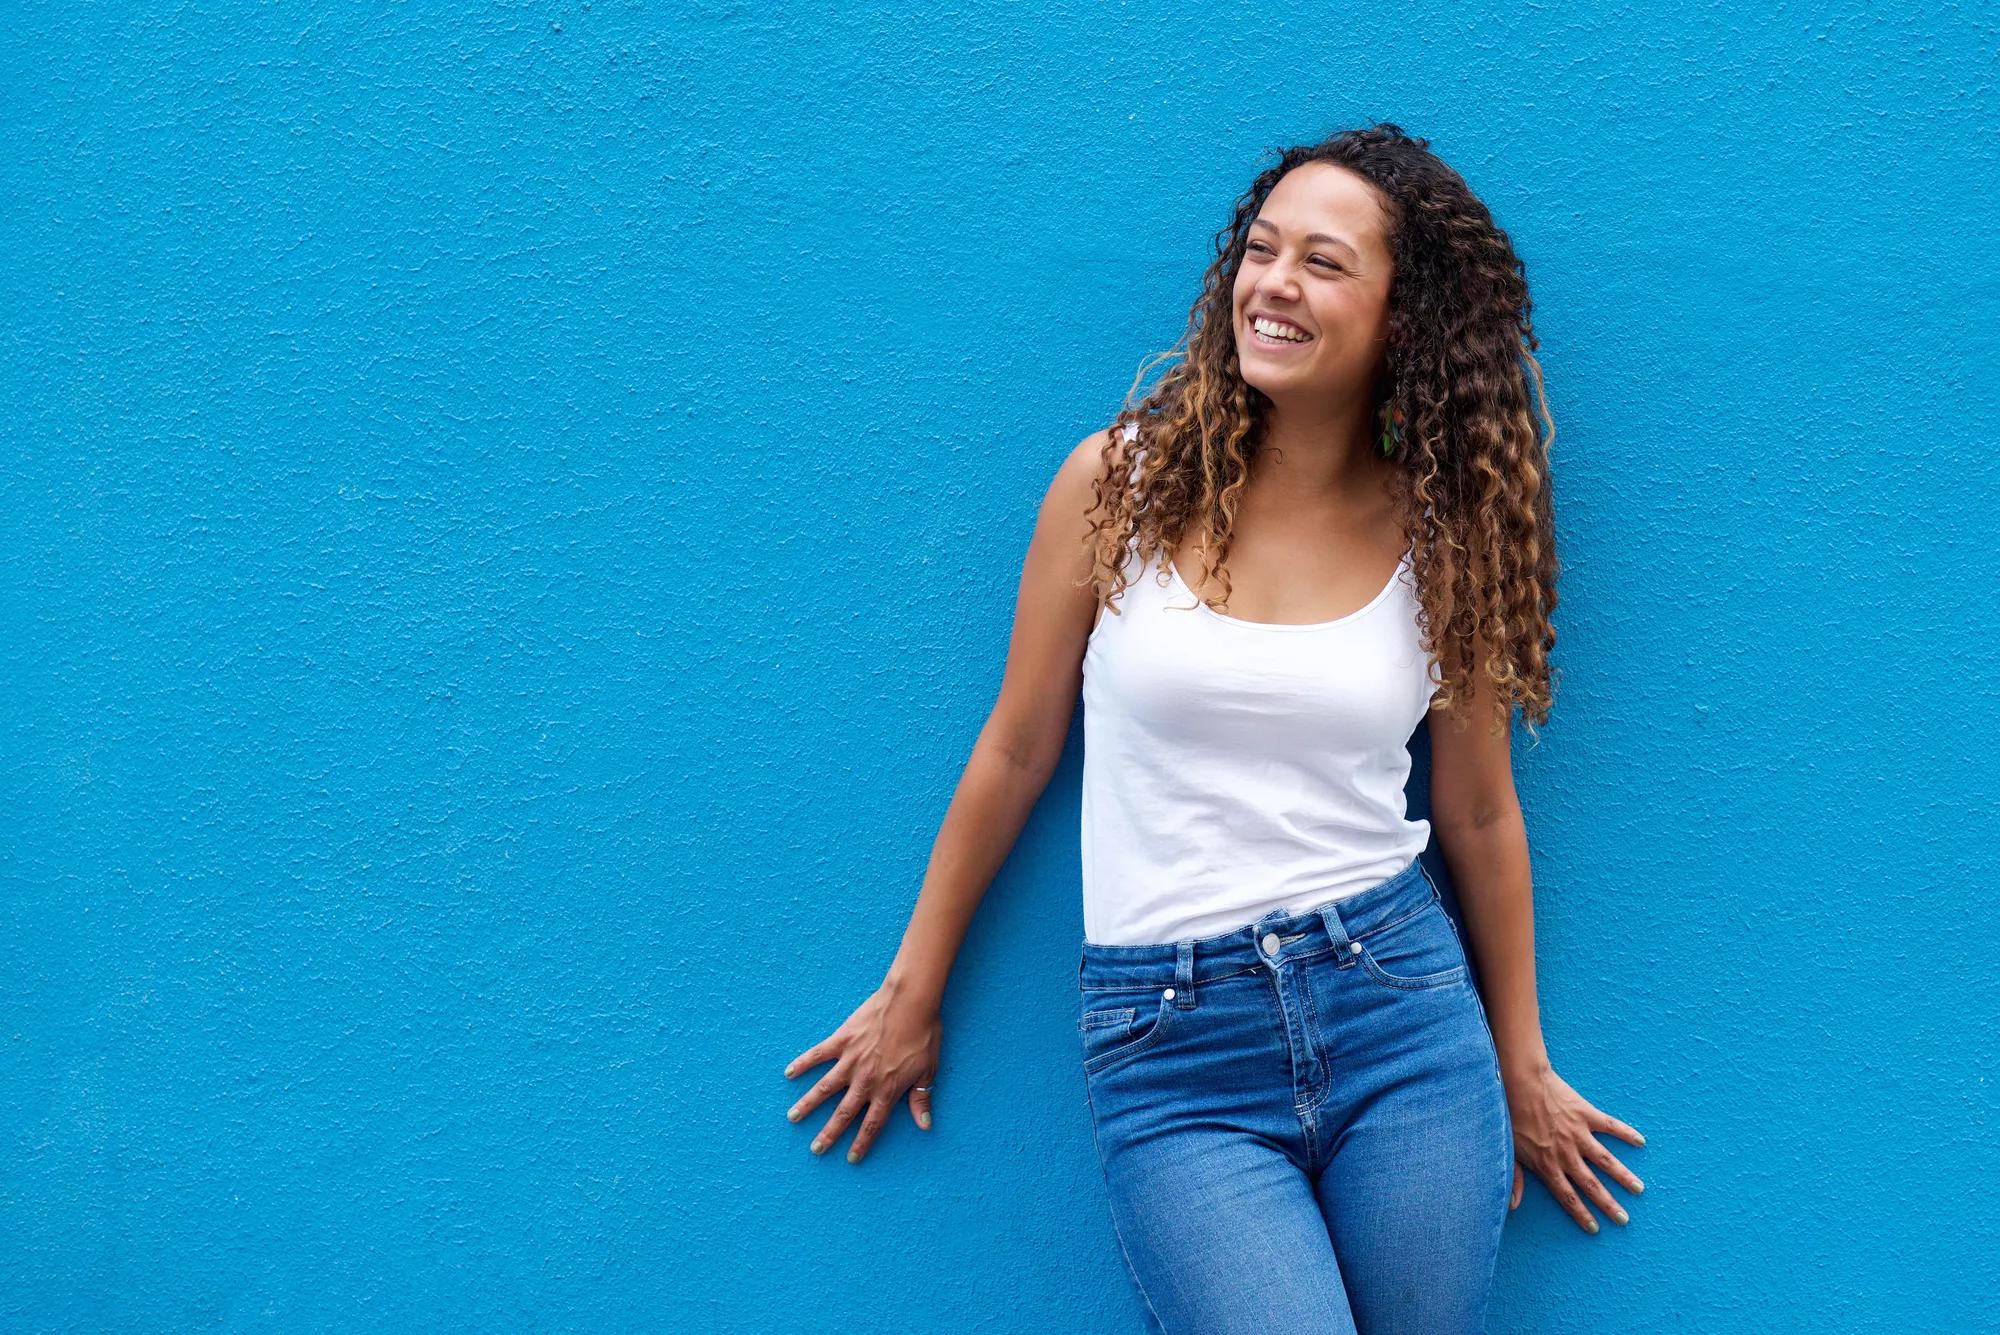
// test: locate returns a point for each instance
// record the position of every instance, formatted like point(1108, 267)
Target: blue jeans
point(1301, 1122)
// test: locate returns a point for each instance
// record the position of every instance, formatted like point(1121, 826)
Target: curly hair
point(1472, 481)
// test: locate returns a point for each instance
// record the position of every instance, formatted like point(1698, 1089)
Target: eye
point(1260, 248)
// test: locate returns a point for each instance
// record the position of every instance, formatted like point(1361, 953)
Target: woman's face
point(1316, 259)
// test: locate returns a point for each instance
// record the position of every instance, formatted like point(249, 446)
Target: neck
point(1321, 452)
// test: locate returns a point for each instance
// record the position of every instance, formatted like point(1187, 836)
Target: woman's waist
point(1278, 933)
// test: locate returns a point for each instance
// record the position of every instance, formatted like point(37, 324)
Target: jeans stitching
point(1380, 928)
point(1423, 982)
point(1200, 978)
point(1093, 1065)
point(1299, 958)
point(1116, 1232)
point(1506, 1114)
point(1311, 1031)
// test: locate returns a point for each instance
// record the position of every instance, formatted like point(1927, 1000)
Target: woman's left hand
point(1554, 1130)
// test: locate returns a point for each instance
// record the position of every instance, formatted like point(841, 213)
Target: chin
point(1255, 368)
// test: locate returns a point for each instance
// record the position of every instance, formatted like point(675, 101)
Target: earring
point(1392, 426)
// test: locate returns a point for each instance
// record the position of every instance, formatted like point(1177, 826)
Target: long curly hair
point(1472, 480)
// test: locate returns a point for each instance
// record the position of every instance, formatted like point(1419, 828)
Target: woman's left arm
point(1476, 817)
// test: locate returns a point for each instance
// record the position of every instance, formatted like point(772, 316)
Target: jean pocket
point(1111, 1033)
point(1422, 951)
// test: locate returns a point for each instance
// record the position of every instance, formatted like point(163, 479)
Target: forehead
point(1320, 197)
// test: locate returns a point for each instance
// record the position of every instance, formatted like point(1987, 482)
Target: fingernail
point(818, 1148)
point(1642, 1140)
point(1593, 1226)
point(1622, 1217)
point(852, 1157)
point(792, 1116)
point(789, 1070)
point(924, 1121)
point(1637, 1185)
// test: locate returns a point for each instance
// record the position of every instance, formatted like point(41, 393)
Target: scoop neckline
point(1173, 572)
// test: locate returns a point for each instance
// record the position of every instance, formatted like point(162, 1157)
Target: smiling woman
point(1329, 526)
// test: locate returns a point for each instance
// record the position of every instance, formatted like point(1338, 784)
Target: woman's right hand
point(888, 1045)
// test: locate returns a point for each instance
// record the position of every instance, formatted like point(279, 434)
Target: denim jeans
point(1301, 1122)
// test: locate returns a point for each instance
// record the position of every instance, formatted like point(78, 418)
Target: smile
point(1264, 340)
point(1271, 333)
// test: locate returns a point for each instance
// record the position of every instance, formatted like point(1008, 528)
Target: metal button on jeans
point(1354, 947)
point(1169, 994)
point(1271, 944)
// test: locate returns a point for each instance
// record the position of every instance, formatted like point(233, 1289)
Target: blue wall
point(513, 517)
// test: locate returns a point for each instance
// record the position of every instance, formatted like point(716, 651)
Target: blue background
point(512, 522)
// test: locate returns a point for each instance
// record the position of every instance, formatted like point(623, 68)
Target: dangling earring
point(1392, 426)
point(1390, 413)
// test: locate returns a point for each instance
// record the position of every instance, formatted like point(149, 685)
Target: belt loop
point(1184, 975)
point(1343, 949)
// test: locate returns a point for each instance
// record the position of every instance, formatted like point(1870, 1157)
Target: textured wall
point(512, 521)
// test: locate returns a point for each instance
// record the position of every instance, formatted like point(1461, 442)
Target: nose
point(1278, 289)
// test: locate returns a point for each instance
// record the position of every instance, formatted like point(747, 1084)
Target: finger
point(1572, 1204)
point(1603, 1121)
point(920, 1105)
point(1518, 1181)
point(850, 1108)
point(871, 1126)
point(812, 1056)
point(1597, 1192)
point(1608, 1161)
point(821, 1091)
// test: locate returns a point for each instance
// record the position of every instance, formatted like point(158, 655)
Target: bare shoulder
point(1088, 458)
point(1065, 532)
point(1093, 458)
point(1054, 610)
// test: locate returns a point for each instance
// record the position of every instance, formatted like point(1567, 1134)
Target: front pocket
point(1104, 1019)
point(1422, 951)
point(1113, 1033)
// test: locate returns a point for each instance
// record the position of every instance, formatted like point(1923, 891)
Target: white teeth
point(1276, 330)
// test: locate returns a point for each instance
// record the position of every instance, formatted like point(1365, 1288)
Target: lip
point(1277, 344)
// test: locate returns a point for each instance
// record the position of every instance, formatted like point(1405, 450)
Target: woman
point(1305, 1113)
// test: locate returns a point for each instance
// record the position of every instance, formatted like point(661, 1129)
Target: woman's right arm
point(891, 1042)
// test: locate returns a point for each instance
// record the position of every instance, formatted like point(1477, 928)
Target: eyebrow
point(1313, 236)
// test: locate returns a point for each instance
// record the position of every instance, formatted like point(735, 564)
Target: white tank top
point(1233, 767)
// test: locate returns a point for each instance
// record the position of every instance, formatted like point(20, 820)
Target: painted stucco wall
point(512, 521)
